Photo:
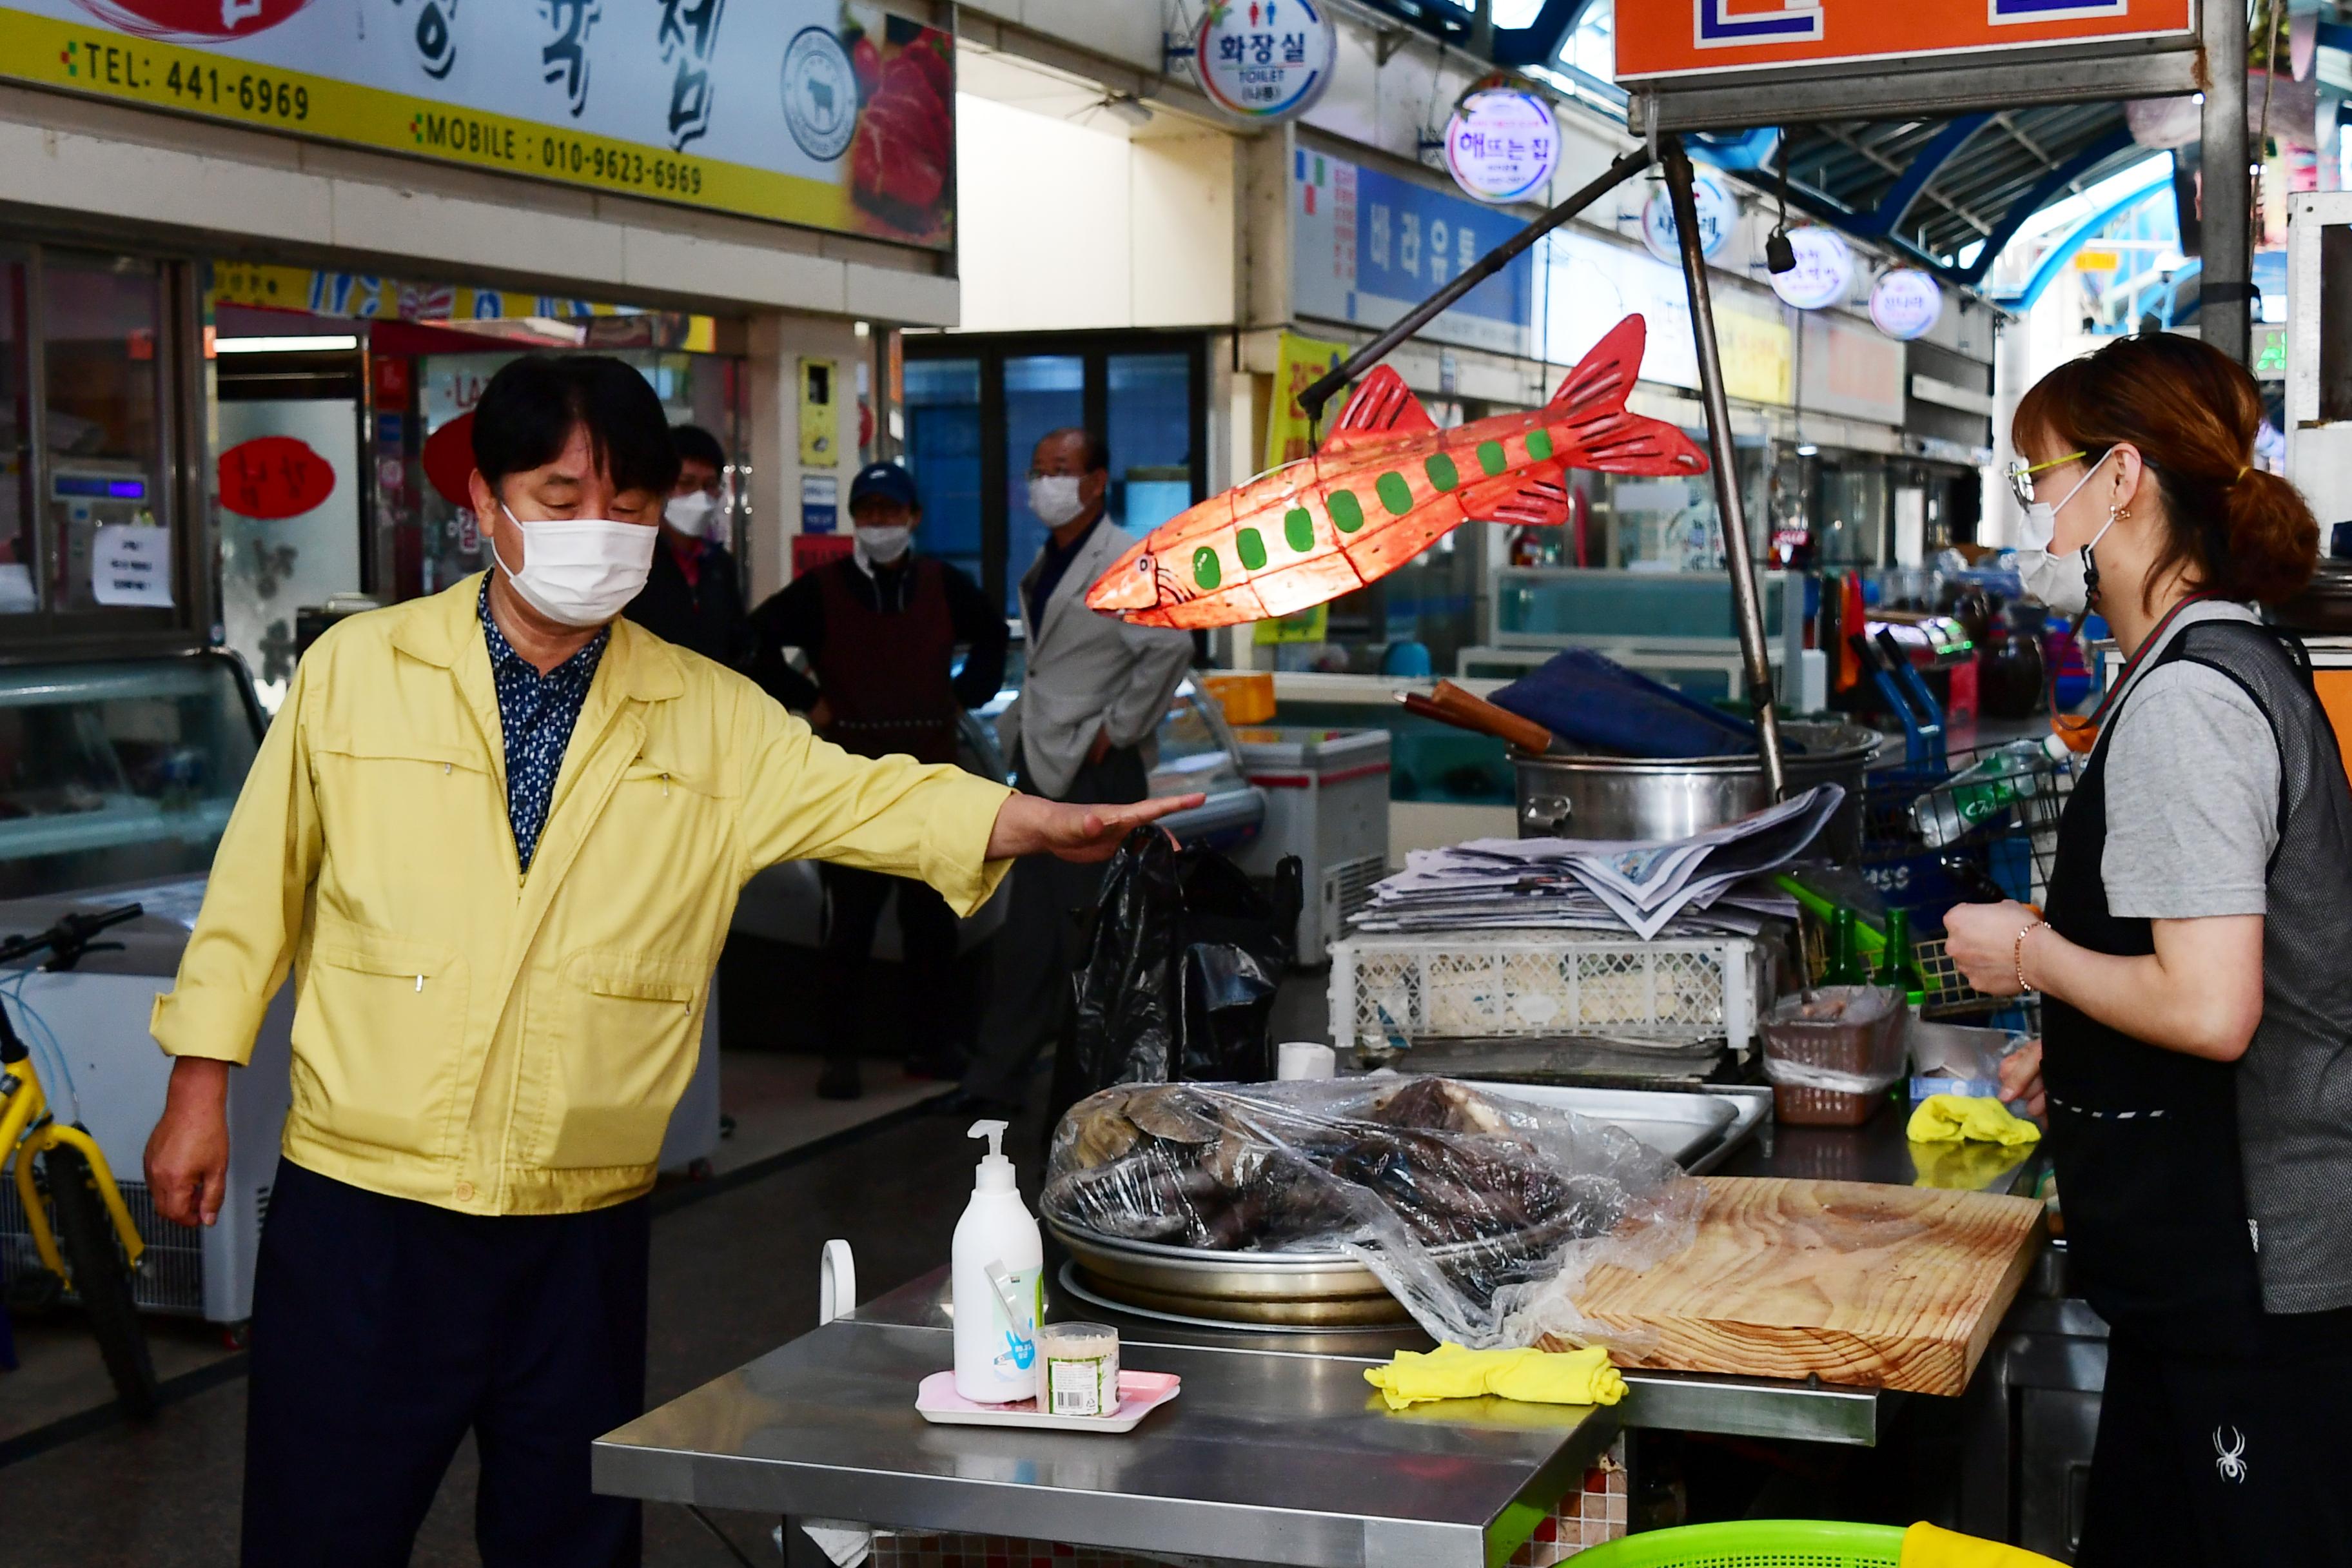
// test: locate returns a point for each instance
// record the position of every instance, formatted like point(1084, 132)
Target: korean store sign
point(1265, 59)
point(1366, 246)
point(1663, 38)
point(1502, 145)
point(806, 111)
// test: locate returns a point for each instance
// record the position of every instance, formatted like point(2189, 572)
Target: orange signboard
point(1686, 38)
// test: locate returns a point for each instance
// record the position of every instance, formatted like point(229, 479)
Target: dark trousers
point(927, 935)
point(384, 1329)
point(1029, 1000)
point(2216, 1458)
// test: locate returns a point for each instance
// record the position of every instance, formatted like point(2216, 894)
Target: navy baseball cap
point(885, 481)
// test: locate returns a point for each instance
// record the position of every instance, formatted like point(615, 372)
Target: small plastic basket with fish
point(1481, 1216)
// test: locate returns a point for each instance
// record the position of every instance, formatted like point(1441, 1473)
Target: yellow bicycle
point(81, 1228)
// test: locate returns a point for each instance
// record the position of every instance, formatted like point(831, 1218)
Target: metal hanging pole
point(2225, 281)
point(1318, 393)
point(1744, 604)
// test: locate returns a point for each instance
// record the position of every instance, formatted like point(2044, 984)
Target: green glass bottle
point(1845, 965)
point(1899, 967)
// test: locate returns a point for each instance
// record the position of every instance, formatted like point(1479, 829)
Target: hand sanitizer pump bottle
point(998, 1263)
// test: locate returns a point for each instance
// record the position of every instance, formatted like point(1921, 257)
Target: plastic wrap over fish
point(1481, 1214)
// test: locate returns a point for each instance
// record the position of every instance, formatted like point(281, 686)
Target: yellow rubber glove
point(1947, 1118)
point(1925, 1546)
point(1531, 1376)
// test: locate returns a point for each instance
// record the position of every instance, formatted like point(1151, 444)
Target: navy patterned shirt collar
point(536, 713)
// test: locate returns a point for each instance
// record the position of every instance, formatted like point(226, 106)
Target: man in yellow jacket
point(497, 836)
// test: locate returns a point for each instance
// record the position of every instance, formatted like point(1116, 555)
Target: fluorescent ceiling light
point(1808, 450)
point(326, 344)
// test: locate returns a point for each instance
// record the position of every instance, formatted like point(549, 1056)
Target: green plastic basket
point(1754, 1544)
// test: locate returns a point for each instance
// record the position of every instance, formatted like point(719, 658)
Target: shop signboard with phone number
point(815, 113)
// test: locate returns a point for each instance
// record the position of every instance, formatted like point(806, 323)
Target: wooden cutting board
point(1874, 1286)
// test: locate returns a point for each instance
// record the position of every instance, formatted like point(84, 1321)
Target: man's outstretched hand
point(1026, 825)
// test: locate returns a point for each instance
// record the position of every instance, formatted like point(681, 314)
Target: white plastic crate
point(1530, 983)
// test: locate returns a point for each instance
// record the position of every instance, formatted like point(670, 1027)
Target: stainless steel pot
point(1634, 798)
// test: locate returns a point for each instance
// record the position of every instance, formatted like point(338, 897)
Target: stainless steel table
point(1271, 1454)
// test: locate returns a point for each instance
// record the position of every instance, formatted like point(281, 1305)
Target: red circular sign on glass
point(450, 461)
point(274, 477)
point(192, 21)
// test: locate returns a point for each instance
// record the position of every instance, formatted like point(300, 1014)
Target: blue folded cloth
point(1595, 702)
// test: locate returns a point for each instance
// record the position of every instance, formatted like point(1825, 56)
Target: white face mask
point(2061, 583)
point(1054, 499)
point(580, 571)
point(691, 513)
point(881, 546)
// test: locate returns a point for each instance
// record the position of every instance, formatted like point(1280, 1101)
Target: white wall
point(1072, 219)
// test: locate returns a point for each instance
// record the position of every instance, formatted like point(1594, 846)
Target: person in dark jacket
point(694, 596)
point(880, 629)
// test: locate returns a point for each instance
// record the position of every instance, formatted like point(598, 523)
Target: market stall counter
point(1275, 1452)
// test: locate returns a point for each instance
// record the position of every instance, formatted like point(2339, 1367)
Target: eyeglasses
point(2019, 474)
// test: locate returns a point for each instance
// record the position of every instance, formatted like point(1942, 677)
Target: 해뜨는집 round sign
point(1502, 145)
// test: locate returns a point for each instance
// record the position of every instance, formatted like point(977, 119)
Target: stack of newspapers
point(1713, 883)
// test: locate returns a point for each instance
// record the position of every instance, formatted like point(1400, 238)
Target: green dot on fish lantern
point(1491, 459)
point(1299, 528)
point(1442, 472)
point(1204, 568)
point(1347, 511)
point(1539, 445)
point(1395, 494)
point(1252, 547)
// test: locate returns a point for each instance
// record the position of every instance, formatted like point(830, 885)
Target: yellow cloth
point(498, 1044)
point(1531, 1376)
point(1925, 1546)
point(1947, 1118)
point(1963, 1167)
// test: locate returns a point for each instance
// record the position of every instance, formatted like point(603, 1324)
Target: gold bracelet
point(2018, 955)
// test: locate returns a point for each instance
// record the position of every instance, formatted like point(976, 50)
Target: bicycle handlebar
point(69, 938)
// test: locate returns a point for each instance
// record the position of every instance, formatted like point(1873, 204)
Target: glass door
point(19, 550)
point(105, 358)
point(976, 407)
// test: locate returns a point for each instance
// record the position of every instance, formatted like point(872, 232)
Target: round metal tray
point(1287, 1289)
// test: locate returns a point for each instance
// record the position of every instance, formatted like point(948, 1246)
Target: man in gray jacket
point(1082, 730)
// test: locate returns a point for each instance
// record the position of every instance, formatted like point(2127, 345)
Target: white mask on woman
point(1054, 499)
point(578, 571)
point(691, 513)
point(2061, 583)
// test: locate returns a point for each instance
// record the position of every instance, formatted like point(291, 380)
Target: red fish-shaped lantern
point(1387, 485)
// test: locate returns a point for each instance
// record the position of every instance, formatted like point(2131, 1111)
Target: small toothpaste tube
point(1081, 1370)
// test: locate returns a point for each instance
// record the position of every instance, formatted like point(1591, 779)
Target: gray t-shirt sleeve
point(2192, 796)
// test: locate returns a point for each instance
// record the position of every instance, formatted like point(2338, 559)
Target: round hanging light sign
point(1262, 60)
point(1823, 273)
point(1502, 145)
point(1906, 302)
point(1717, 216)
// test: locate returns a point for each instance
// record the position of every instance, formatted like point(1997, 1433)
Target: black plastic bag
point(1176, 984)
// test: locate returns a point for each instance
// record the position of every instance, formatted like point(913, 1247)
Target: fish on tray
point(1386, 486)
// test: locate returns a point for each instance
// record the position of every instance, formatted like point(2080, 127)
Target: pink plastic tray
point(1139, 1394)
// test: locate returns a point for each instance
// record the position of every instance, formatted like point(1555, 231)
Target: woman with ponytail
point(2195, 966)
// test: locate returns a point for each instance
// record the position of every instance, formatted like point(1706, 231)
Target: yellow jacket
point(497, 1043)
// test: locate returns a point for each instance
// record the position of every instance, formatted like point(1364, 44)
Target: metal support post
point(2225, 286)
point(1744, 602)
point(1312, 400)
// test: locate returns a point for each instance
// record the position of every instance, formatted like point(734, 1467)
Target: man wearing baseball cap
point(880, 630)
